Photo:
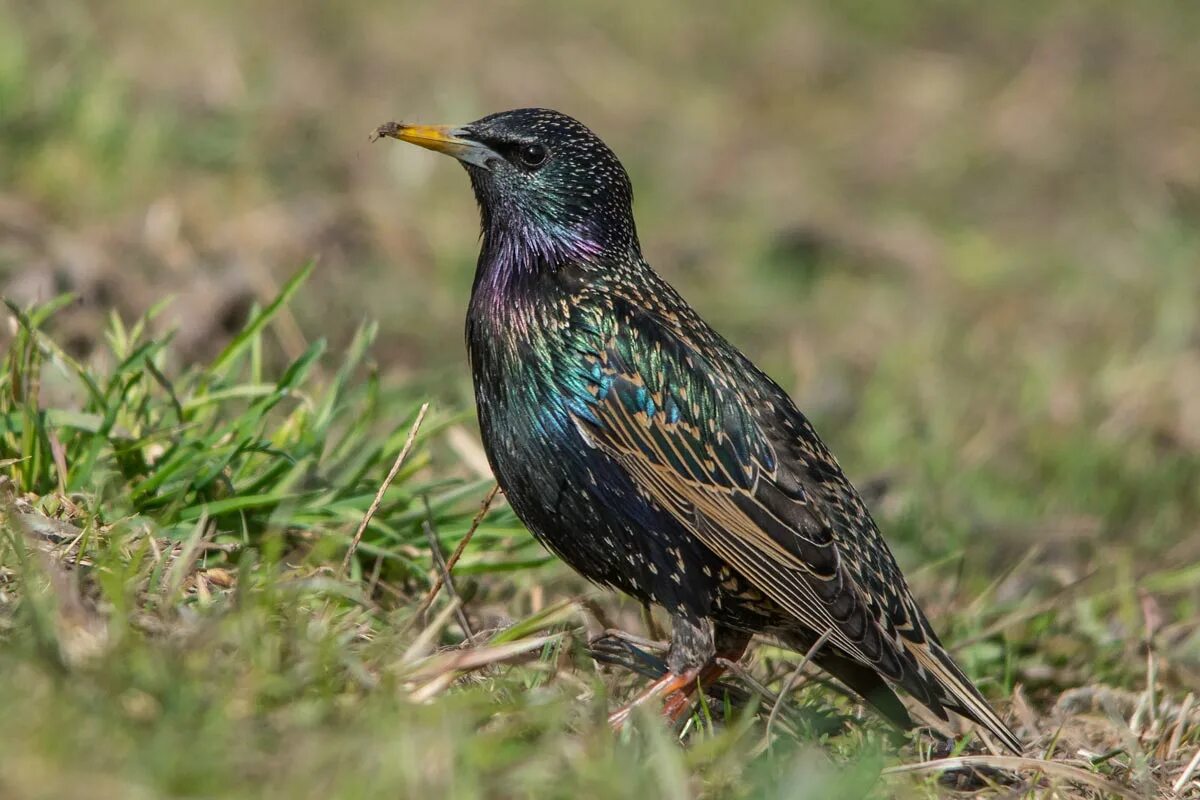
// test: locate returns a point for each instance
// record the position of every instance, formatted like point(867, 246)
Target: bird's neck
point(514, 253)
point(519, 252)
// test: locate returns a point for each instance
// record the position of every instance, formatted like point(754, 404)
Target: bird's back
point(648, 428)
point(648, 452)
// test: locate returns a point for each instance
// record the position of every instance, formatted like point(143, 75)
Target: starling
point(651, 455)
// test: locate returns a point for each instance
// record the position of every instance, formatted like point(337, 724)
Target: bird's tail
point(959, 694)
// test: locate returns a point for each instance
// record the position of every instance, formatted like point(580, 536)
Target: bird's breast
point(519, 367)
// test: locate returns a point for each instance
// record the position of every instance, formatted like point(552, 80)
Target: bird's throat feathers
point(538, 226)
point(519, 253)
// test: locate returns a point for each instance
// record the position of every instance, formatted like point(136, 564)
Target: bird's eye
point(532, 154)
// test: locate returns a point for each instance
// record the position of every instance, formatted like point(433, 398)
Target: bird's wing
point(754, 484)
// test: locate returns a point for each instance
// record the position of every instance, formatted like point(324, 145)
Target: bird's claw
point(616, 651)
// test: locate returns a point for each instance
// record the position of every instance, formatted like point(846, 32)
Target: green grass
point(175, 621)
point(962, 236)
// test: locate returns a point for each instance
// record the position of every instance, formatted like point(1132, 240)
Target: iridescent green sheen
point(652, 455)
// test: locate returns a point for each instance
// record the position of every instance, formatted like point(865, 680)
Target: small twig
point(441, 670)
point(1187, 773)
point(787, 686)
point(1056, 769)
point(738, 671)
point(484, 507)
point(657, 645)
point(458, 551)
point(439, 561)
point(1185, 711)
point(424, 641)
point(373, 583)
point(391, 476)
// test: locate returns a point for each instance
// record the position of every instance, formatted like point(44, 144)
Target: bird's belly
point(586, 509)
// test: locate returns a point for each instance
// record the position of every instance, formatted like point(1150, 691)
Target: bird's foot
point(620, 651)
point(677, 689)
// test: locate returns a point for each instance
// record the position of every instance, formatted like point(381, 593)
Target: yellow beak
point(439, 138)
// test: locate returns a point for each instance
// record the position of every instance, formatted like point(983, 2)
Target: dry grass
point(964, 237)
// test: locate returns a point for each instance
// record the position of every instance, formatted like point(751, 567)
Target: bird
point(651, 455)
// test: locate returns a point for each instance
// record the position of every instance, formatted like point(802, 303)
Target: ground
point(962, 236)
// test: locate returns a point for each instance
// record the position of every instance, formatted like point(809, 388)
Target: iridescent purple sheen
point(651, 455)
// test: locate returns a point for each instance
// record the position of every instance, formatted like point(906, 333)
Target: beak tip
point(388, 129)
point(444, 139)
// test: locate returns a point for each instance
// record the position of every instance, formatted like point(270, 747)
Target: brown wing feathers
point(768, 524)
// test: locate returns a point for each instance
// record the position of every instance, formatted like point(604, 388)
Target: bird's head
point(542, 179)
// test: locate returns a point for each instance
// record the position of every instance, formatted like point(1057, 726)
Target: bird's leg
point(693, 664)
point(677, 704)
point(670, 685)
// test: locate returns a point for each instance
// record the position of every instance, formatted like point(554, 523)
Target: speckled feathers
point(650, 454)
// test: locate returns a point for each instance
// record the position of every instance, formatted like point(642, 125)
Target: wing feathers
point(694, 450)
point(961, 695)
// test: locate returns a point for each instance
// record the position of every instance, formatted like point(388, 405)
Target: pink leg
point(677, 690)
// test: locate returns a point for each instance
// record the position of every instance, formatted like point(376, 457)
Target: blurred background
point(979, 218)
point(964, 236)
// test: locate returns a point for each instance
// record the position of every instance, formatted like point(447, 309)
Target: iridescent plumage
point(653, 456)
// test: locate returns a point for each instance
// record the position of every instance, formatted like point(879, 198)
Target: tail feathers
point(866, 683)
point(939, 685)
point(958, 693)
